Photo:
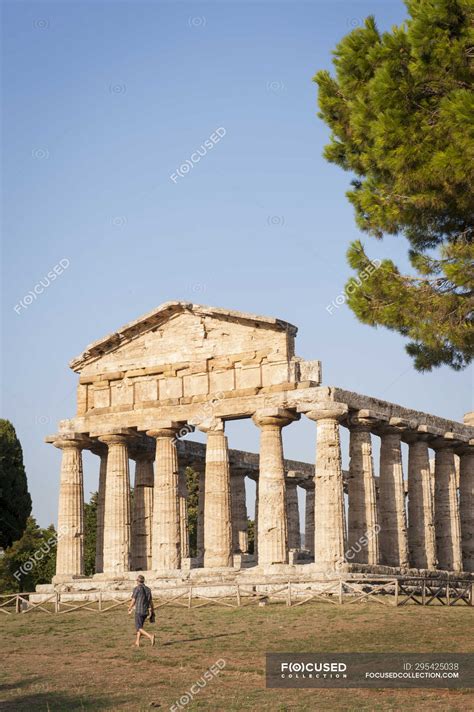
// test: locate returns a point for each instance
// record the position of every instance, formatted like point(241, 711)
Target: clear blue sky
point(103, 102)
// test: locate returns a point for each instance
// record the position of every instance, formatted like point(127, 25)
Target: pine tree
point(401, 112)
point(15, 501)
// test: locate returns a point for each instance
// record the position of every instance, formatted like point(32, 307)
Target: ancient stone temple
point(144, 388)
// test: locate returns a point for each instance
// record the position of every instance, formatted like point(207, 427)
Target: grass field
point(85, 661)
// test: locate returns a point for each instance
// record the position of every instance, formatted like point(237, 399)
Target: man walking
point(142, 601)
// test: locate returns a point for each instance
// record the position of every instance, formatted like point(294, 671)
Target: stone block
point(196, 385)
point(273, 373)
point(237, 561)
point(248, 377)
point(170, 388)
point(135, 373)
point(82, 399)
point(146, 390)
point(121, 393)
point(221, 380)
point(279, 388)
point(101, 397)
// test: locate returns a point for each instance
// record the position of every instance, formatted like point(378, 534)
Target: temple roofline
point(161, 314)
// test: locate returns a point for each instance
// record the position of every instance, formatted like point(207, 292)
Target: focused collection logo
point(313, 669)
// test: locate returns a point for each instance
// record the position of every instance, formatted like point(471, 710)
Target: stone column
point(142, 516)
point(421, 530)
point(239, 512)
point(272, 522)
point(100, 450)
point(183, 513)
point(363, 528)
point(447, 521)
point(166, 535)
point(217, 507)
point(200, 518)
point(309, 519)
point(70, 547)
point(466, 506)
point(255, 524)
point(393, 527)
point(117, 505)
point(329, 537)
point(292, 514)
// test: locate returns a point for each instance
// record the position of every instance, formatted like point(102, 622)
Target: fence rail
point(390, 591)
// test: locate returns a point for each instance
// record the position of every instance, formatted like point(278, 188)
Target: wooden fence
point(386, 591)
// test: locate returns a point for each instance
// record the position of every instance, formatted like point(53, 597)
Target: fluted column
point(100, 450)
point(447, 521)
point(363, 540)
point(239, 513)
point(466, 506)
point(166, 535)
point(329, 539)
point(142, 515)
point(393, 527)
point(309, 519)
point(70, 547)
point(421, 529)
point(292, 514)
point(272, 521)
point(255, 524)
point(183, 513)
point(200, 517)
point(217, 507)
point(117, 519)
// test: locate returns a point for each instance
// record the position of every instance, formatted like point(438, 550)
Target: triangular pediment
point(181, 331)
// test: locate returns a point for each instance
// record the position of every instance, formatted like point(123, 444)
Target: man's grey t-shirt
point(142, 596)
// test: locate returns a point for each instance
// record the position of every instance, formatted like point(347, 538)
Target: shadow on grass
point(25, 682)
point(204, 637)
point(58, 702)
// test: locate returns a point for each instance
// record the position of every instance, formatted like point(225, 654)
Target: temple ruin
point(144, 388)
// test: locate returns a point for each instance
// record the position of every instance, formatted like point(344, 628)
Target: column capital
point(446, 441)
point(395, 427)
point(115, 438)
point(363, 421)
point(70, 441)
point(327, 410)
point(416, 436)
point(276, 417)
point(466, 448)
point(210, 425)
point(168, 429)
point(97, 448)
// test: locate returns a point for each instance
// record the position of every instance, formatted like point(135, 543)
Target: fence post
point(396, 592)
point(17, 603)
point(56, 602)
point(190, 595)
point(340, 591)
point(238, 595)
point(100, 601)
point(288, 599)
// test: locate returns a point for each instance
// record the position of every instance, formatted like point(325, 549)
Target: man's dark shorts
point(140, 619)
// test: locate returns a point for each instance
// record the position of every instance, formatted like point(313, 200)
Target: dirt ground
point(85, 661)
